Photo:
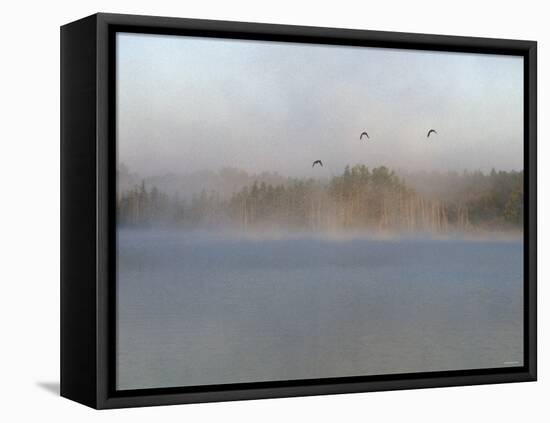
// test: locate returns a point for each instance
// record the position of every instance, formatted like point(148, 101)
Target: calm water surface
point(196, 309)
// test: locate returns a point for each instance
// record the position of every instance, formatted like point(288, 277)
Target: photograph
point(275, 212)
point(300, 211)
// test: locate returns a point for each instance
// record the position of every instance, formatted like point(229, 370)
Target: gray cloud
point(187, 104)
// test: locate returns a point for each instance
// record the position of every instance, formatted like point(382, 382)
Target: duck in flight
point(363, 133)
point(431, 131)
point(319, 162)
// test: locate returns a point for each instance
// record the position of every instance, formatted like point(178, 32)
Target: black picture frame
point(88, 210)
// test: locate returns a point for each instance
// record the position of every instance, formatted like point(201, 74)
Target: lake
point(196, 308)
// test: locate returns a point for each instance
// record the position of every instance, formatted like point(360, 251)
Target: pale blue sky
point(187, 104)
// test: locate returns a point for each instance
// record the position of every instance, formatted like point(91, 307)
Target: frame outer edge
point(532, 124)
point(78, 213)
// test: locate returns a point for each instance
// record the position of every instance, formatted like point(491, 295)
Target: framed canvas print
point(254, 211)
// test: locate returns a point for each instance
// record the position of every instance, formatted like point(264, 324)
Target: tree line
point(358, 199)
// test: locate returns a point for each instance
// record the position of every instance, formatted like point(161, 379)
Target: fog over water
point(187, 104)
point(197, 309)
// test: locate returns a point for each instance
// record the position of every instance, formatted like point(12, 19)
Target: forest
point(359, 199)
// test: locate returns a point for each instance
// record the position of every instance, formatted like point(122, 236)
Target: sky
point(187, 104)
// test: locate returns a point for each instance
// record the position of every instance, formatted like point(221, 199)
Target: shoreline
point(336, 236)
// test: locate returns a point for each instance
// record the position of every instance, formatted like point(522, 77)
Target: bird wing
point(363, 133)
point(432, 130)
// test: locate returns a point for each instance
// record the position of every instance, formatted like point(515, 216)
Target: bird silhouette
point(319, 162)
point(431, 131)
point(364, 133)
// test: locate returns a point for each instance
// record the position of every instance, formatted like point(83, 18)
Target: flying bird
point(431, 131)
point(319, 162)
point(363, 133)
